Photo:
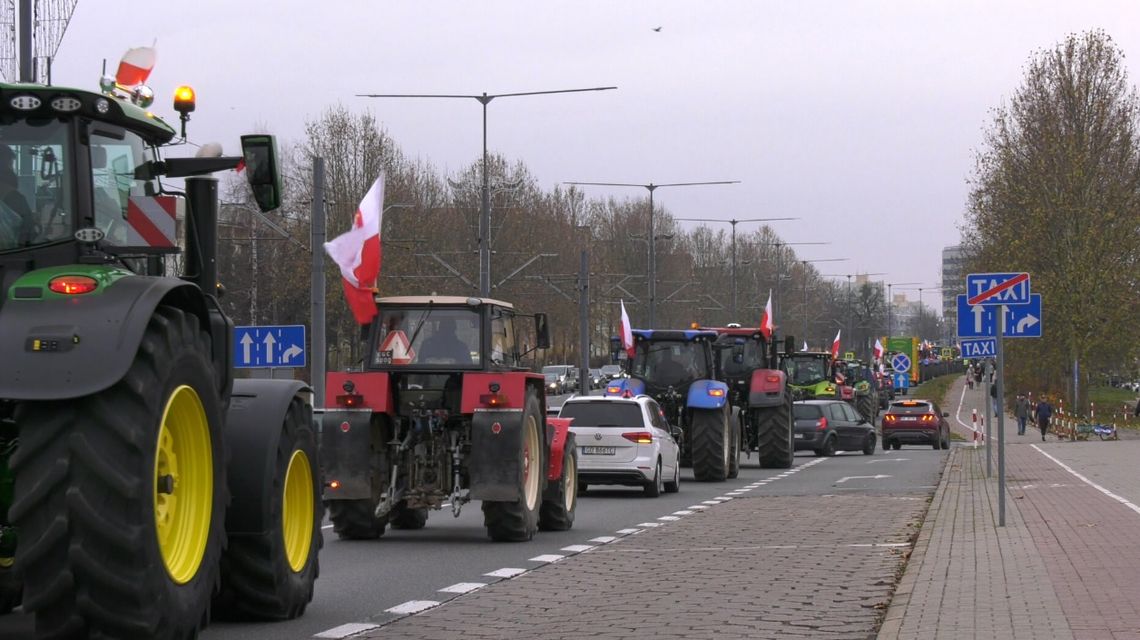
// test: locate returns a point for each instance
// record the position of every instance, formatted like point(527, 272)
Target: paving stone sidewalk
point(753, 567)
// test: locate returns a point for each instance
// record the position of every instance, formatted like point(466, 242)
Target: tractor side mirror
point(789, 344)
point(738, 350)
point(541, 331)
point(259, 153)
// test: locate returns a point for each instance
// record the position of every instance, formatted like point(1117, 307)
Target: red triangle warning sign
point(399, 347)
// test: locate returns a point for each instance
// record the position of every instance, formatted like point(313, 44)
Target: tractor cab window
point(114, 157)
point(36, 201)
point(753, 358)
point(427, 336)
point(805, 371)
point(502, 336)
point(670, 363)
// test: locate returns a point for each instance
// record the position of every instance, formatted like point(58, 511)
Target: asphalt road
point(361, 580)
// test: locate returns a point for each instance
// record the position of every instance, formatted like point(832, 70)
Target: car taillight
point(613, 389)
point(928, 418)
point(889, 418)
point(821, 424)
point(640, 437)
point(73, 285)
point(772, 377)
point(350, 400)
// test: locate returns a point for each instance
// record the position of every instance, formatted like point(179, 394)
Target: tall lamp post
point(485, 199)
point(780, 269)
point(803, 269)
point(652, 267)
point(850, 300)
point(734, 222)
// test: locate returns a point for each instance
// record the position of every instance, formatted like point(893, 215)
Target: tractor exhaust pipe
point(202, 233)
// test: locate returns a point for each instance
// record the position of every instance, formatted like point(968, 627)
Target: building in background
point(953, 283)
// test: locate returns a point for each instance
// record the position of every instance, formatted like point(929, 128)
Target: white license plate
point(599, 451)
point(800, 436)
point(908, 418)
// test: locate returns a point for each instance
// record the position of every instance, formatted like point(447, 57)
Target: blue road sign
point(981, 348)
point(989, 289)
point(902, 381)
point(900, 362)
point(1021, 320)
point(269, 346)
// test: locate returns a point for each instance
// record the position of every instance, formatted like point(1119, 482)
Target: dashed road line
point(412, 606)
point(626, 532)
point(603, 539)
point(506, 572)
point(346, 630)
point(463, 587)
point(668, 518)
point(547, 557)
point(683, 512)
point(577, 548)
point(649, 524)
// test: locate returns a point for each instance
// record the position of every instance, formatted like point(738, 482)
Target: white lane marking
point(697, 506)
point(577, 548)
point(1123, 501)
point(507, 572)
point(412, 606)
point(327, 526)
point(547, 557)
point(603, 539)
point(958, 413)
point(463, 587)
point(626, 532)
point(668, 518)
point(724, 497)
point(345, 630)
point(649, 524)
point(887, 460)
point(875, 477)
point(712, 502)
point(880, 544)
point(683, 512)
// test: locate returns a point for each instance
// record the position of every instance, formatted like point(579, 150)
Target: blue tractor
point(676, 369)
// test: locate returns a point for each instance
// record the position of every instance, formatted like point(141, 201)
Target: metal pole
point(888, 313)
point(319, 352)
point(485, 216)
point(989, 424)
point(652, 264)
point(584, 323)
point(27, 66)
point(779, 273)
point(253, 268)
point(733, 314)
point(1001, 417)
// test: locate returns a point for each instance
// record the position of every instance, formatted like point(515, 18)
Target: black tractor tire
point(655, 487)
point(734, 449)
point(560, 500)
point(865, 405)
point(712, 439)
point(356, 519)
point(774, 428)
point(10, 589)
point(270, 576)
point(410, 519)
point(88, 495)
point(869, 446)
point(517, 521)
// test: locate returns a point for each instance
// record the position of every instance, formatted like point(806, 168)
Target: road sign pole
point(989, 423)
point(1001, 416)
point(317, 284)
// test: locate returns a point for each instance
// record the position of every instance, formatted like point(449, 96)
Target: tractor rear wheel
point(712, 439)
point(736, 427)
point(774, 428)
point(270, 576)
point(560, 500)
point(865, 405)
point(517, 520)
point(356, 519)
point(120, 496)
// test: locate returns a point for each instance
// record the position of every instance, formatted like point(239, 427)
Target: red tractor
point(442, 413)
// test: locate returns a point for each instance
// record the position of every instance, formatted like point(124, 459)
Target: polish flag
point(835, 345)
point(135, 67)
point(357, 253)
point(766, 324)
point(626, 332)
point(805, 346)
point(878, 349)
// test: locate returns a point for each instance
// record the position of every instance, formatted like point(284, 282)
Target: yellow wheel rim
point(183, 484)
point(570, 472)
point(297, 510)
point(532, 460)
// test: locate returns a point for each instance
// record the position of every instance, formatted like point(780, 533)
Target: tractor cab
point(672, 359)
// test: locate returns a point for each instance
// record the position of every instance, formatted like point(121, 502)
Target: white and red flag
point(766, 323)
point(357, 253)
point(626, 332)
point(878, 349)
point(835, 345)
point(135, 67)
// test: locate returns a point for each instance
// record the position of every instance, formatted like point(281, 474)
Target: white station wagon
point(624, 441)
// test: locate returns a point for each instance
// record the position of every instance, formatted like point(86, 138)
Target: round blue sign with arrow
point(900, 363)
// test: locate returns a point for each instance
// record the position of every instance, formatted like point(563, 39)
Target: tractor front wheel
point(120, 496)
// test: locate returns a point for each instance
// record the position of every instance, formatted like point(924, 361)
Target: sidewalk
point(1066, 565)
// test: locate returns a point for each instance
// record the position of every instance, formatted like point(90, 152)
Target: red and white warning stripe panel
point(151, 221)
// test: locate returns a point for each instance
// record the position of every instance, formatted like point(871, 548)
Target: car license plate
point(908, 418)
point(799, 436)
point(598, 451)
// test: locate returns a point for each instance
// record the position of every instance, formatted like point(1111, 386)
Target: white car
point(624, 441)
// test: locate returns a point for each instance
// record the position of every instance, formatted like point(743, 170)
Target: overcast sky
point(860, 118)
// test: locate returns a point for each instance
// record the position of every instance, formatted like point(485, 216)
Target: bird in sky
point(657, 29)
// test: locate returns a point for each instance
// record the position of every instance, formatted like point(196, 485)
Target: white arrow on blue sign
point(269, 346)
point(1021, 320)
point(989, 289)
point(983, 348)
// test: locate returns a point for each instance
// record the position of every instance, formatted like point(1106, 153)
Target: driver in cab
point(444, 345)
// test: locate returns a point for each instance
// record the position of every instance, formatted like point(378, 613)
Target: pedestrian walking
point(970, 375)
point(993, 394)
point(1021, 412)
point(1042, 413)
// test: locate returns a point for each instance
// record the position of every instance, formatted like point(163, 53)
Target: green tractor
point(860, 377)
point(142, 486)
point(811, 375)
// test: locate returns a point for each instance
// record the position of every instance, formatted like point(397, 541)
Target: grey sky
point(861, 118)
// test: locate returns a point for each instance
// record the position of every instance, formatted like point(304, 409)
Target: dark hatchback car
point(827, 426)
point(915, 422)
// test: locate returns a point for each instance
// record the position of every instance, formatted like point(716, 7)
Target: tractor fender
point(766, 389)
point(618, 387)
point(57, 348)
point(558, 437)
point(252, 434)
point(707, 394)
point(496, 438)
point(344, 443)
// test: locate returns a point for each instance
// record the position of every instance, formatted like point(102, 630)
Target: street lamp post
point(652, 266)
point(780, 270)
point(850, 300)
point(734, 222)
point(803, 268)
point(485, 195)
